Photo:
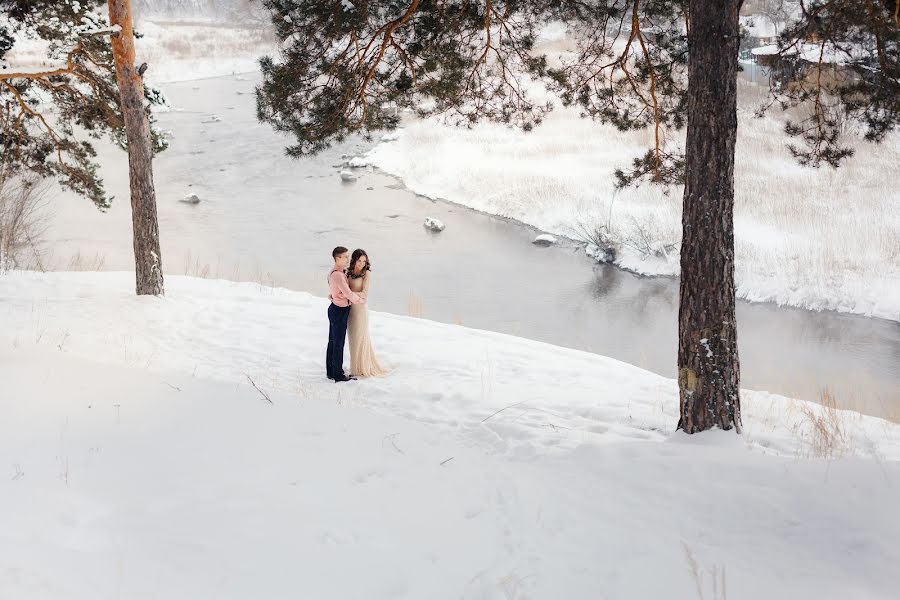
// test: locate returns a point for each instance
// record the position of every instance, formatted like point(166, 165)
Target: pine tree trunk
point(147, 255)
point(708, 366)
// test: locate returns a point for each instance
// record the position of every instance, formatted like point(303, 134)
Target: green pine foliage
point(350, 66)
point(48, 123)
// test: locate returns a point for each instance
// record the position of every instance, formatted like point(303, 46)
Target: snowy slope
point(162, 473)
point(447, 375)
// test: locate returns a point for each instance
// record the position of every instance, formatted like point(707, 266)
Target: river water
point(268, 218)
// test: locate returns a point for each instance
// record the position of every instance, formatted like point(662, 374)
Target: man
point(338, 312)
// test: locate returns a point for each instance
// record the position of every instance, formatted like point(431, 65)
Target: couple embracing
point(348, 283)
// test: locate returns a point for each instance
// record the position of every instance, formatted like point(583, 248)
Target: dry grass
point(304, 389)
point(716, 579)
point(823, 429)
point(190, 40)
point(263, 278)
point(414, 307)
point(194, 268)
point(890, 412)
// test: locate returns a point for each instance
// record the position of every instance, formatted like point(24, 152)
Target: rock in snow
point(433, 224)
point(191, 199)
point(357, 162)
point(603, 255)
point(544, 239)
point(390, 137)
point(347, 176)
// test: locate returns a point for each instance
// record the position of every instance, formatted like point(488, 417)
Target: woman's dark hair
point(357, 254)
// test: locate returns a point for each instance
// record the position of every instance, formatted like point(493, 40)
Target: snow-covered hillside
point(141, 462)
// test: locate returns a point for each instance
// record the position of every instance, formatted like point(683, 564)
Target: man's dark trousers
point(337, 333)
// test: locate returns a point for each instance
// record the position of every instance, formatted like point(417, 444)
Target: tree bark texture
point(147, 255)
point(708, 366)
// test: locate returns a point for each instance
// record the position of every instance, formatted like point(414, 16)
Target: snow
point(553, 31)
point(348, 176)
point(434, 224)
point(235, 12)
point(113, 29)
point(141, 463)
point(191, 199)
point(545, 239)
point(188, 51)
point(813, 53)
point(174, 51)
point(599, 254)
point(36, 69)
point(767, 50)
point(832, 55)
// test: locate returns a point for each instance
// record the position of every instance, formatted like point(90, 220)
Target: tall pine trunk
point(147, 255)
point(708, 366)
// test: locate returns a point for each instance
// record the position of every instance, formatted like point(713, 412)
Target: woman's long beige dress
point(362, 358)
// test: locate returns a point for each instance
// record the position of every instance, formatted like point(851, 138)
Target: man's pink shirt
point(341, 294)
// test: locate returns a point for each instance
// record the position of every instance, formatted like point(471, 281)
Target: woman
point(362, 358)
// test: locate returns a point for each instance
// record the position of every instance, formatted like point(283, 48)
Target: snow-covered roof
point(813, 52)
point(765, 50)
point(830, 54)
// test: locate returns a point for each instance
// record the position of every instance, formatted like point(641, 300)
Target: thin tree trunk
point(147, 255)
point(708, 366)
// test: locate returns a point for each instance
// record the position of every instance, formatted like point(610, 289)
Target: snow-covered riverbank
point(817, 239)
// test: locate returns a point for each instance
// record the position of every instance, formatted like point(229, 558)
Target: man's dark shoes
point(343, 379)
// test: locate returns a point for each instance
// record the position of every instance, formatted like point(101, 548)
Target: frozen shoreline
point(817, 239)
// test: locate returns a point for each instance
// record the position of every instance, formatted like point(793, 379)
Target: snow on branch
point(111, 30)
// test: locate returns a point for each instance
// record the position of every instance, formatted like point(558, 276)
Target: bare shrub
point(414, 307)
point(601, 244)
point(646, 238)
point(23, 221)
